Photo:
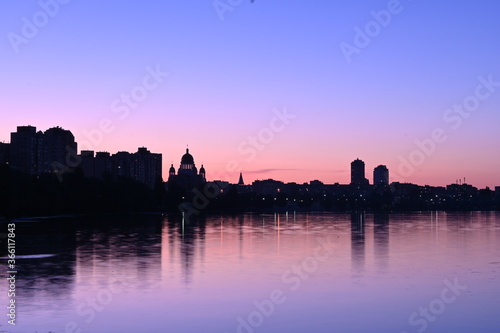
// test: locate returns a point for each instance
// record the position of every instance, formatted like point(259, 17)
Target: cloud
point(258, 171)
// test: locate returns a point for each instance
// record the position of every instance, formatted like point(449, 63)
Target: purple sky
point(364, 79)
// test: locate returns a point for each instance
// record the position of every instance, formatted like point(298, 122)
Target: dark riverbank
point(23, 195)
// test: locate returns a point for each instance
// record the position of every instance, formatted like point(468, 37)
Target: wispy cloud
point(258, 171)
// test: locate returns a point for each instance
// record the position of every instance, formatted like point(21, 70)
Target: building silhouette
point(4, 153)
point(142, 166)
point(34, 153)
point(60, 150)
point(268, 187)
point(103, 167)
point(26, 153)
point(187, 177)
point(358, 173)
point(381, 175)
point(147, 167)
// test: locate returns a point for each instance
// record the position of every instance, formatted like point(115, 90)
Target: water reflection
point(381, 241)
point(45, 262)
point(189, 236)
point(202, 274)
point(358, 242)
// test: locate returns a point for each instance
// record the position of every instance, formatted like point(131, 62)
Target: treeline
point(23, 195)
point(47, 195)
point(373, 198)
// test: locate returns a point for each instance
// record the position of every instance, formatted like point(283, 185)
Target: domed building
point(187, 165)
point(187, 176)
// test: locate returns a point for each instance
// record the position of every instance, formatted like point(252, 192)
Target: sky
point(289, 90)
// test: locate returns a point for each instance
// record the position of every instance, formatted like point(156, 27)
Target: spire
point(240, 182)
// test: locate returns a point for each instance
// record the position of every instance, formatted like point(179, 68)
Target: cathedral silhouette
point(187, 176)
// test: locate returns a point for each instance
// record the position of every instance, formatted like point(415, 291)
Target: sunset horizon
point(361, 80)
point(250, 166)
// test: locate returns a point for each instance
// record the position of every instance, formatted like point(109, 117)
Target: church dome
point(187, 158)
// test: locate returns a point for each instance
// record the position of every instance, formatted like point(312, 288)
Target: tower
point(26, 150)
point(381, 175)
point(240, 182)
point(358, 173)
point(59, 145)
point(171, 171)
point(203, 173)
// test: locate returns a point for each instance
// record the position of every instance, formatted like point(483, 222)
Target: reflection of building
point(124, 248)
point(358, 241)
point(184, 243)
point(381, 175)
point(187, 176)
point(381, 240)
point(48, 264)
point(358, 173)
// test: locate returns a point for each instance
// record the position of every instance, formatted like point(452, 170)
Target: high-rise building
point(358, 173)
point(123, 165)
point(4, 153)
point(35, 152)
point(26, 150)
point(381, 175)
point(146, 167)
point(142, 166)
point(88, 163)
point(103, 167)
point(59, 149)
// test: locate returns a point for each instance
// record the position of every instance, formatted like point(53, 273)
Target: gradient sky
point(227, 77)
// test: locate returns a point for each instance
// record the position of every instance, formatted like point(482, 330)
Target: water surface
point(427, 272)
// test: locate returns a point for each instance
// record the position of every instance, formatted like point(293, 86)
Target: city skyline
point(57, 151)
point(395, 93)
point(243, 166)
